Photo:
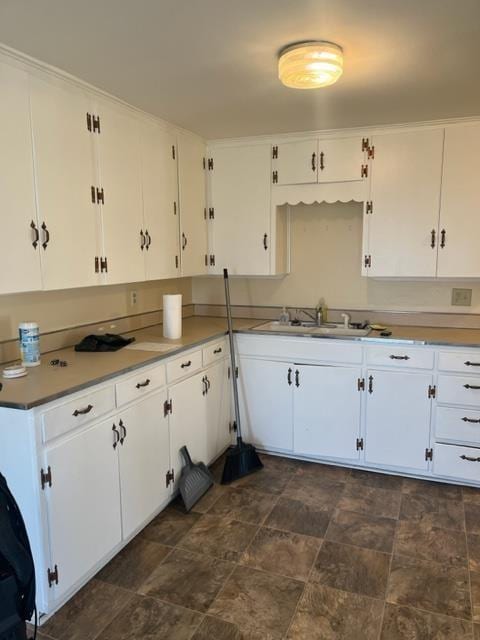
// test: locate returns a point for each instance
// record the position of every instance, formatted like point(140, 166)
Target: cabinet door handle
point(36, 234)
point(46, 233)
point(472, 420)
point(184, 241)
point(471, 364)
point(149, 239)
point(265, 241)
point(471, 386)
point(393, 357)
point(209, 384)
point(432, 241)
point(184, 365)
point(82, 412)
point(289, 377)
point(314, 161)
point(219, 350)
point(204, 384)
point(145, 383)
point(469, 459)
point(297, 378)
point(142, 240)
point(124, 432)
point(370, 384)
point(116, 436)
point(322, 161)
point(443, 237)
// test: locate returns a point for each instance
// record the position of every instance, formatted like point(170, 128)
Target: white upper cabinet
point(458, 253)
point(19, 250)
point(295, 162)
point(65, 174)
point(405, 196)
point(120, 178)
point(240, 205)
point(193, 226)
point(160, 202)
point(341, 159)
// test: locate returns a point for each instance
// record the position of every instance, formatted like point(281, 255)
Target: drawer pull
point(392, 357)
point(184, 365)
point(82, 412)
point(219, 350)
point(139, 385)
point(472, 420)
point(471, 386)
point(469, 459)
point(471, 364)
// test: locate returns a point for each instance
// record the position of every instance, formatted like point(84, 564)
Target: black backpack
point(15, 550)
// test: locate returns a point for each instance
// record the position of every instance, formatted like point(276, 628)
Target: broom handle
point(232, 354)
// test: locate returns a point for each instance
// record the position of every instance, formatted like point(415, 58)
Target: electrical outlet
point(133, 298)
point(462, 297)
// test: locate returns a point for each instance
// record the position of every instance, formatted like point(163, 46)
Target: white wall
point(326, 259)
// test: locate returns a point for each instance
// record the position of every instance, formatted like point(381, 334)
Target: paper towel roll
point(172, 316)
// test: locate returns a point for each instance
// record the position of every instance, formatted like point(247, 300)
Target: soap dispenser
point(284, 316)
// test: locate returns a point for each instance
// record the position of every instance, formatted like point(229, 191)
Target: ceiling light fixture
point(310, 65)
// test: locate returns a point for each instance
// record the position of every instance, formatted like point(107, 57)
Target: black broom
point(241, 459)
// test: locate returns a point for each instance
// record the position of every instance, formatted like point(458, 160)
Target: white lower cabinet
point(266, 407)
point(218, 409)
point(144, 451)
point(397, 419)
point(326, 411)
point(83, 503)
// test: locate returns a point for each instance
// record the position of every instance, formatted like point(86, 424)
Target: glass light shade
point(310, 65)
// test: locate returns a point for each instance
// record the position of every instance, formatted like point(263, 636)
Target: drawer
point(138, 385)
point(184, 365)
point(213, 352)
point(300, 349)
point(76, 412)
point(400, 357)
point(463, 362)
point(461, 426)
point(464, 390)
point(452, 461)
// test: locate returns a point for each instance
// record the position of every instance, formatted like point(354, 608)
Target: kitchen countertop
point(46, 383)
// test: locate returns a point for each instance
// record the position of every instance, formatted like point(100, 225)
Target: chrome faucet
point(346, 320)
point(317, 318)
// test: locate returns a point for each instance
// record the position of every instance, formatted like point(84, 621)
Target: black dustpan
point(195, 480)
point(242, 458)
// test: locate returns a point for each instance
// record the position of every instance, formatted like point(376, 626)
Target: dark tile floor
point(295, 551)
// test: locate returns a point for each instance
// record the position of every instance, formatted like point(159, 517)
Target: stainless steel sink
point(327, 329)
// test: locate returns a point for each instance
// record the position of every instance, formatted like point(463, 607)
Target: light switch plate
point(462, 297)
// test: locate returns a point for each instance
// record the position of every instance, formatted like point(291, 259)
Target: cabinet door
point(266, 405)
point(192, 188)
point(218, 409)
point(458, 252)
point(64, 166)
point(19, 258)
point(405, 192)
point(326, 411)
point(160, 202)
point(340, 160)
point(240, 196)
point(188, 422)
point(144, 460)
point(122, 215)
point(397, 418)
point(83, 503)
point(296, 162)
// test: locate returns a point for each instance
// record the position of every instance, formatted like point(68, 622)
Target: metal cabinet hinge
point(52, 576)
point(204, 163)
point(206, 260)
point(212, 260)
point(211, 213)
point(359, 444)
point(275, 152)
point(97, 264)
point(364, 171)
point(432, 391)
point(46, 477)
point(176, 262)
point(173, 151)
point(167, 407)
point(103, 265)
point(369, 207)
point(89, 121)
point(210, 164)
point(96, 124)
point(174, 208)
point(428, 454)
point(367, 261)
point(371, 153)
point(275, 177)
point(365, 143)
point(169, 477)
point(100, 196)
point(361, 384)
point(232, 427)
point(229, 372)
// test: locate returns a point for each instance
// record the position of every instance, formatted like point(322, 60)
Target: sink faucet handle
point(346, 319)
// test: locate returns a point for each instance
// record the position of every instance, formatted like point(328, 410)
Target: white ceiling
point(210, 65)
